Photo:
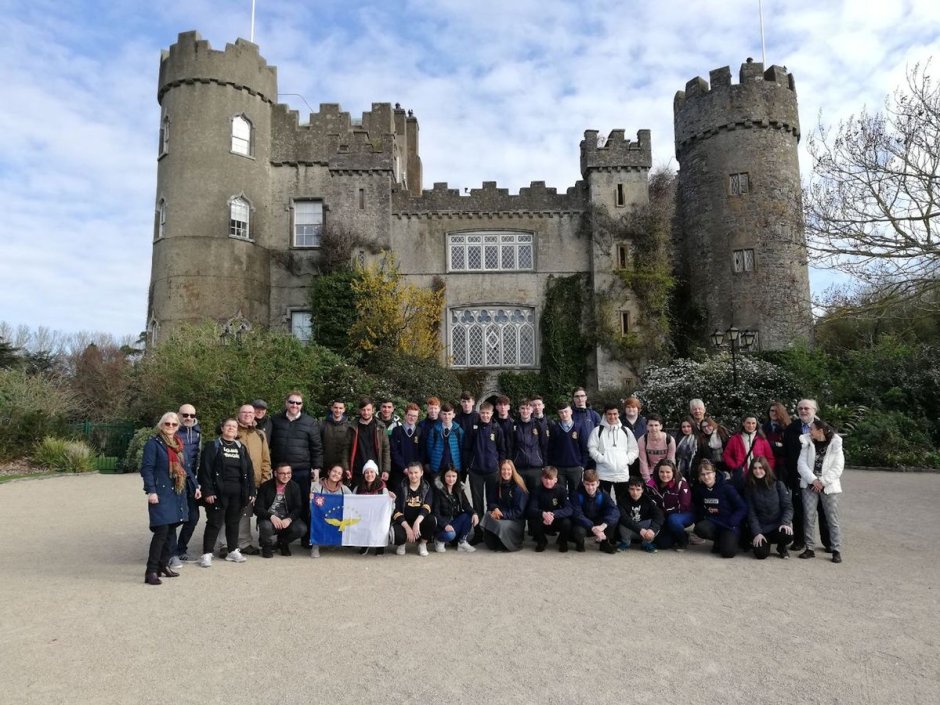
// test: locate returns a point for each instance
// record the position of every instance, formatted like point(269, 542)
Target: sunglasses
point(188, 416)
point(295, 403)
point(170, 424)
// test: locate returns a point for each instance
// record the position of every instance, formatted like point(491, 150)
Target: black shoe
point(797, 547)
point(305, 543)
point(477, 538)
point(250, 551)
point(152, 579)
point(166, 572)
point(827, 549)
point(223, 552)
point(579, 545)
point(783, 552)
point(266, 552)
point(836, 557)
point(285, 549)
point(540, 546)
point(380, 551)
point(608, 547)
point(563, 547)
point(808, 553)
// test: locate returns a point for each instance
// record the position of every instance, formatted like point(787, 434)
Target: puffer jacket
point(768, 508)
point(833, 464)
point(296, 442)
point(613, 449)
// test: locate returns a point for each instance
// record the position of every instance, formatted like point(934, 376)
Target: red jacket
point(735, 455)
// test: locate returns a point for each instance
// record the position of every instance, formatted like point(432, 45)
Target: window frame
point(736, 181)
point(234, 201)
point(294, 329)
point(248, 141)
point(743, 260)
point(489, 243)
point(481, 324)
point(160, 229)
point(294, 224)
point(163, 148)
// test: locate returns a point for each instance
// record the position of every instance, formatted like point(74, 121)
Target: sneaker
point(235, 556)
point(186, 558)
point(540, 546)
point(250, 551)
point(465, 547)
point(783, 552)
point(836, 557)
point(174, 563)
point(808, 553)
point(422, 549)
point(364, 551)
point(267, 552)
point(623, 546)
point(314, 551)
point(649, 546)
point(439, 547)
point(205, 561)
point(400, 550)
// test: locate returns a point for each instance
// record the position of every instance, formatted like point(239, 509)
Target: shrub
point(403, 376)
point(134, 457)
point(31, 407)
point(889, 439)
point(63, 455)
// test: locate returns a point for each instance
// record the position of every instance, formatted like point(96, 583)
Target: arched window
point(238, 221)
point(492, 337)
point(241, 135)
point(160, 231)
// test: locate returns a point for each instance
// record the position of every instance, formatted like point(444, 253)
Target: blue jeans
point(673, 531)
point(461, 524)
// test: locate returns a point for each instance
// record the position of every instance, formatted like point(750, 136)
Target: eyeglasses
point(170, 424)
point(188, 416)
point(293, 402)
point(706, 472)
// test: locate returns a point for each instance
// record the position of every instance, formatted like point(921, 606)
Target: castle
point(244, 190)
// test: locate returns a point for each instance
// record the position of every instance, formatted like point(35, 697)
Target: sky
point(503, 91)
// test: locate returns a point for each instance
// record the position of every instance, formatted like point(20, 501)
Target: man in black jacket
point(295, 441)
point(278, 507)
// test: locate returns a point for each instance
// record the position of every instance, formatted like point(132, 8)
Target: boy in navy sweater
point(485, 450)
point(594, 513)
point(550, 511)
point(567, 448)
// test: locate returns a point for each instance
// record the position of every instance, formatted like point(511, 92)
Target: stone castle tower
point(245, 188)
point(740, 203)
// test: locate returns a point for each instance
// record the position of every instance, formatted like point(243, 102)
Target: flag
point(350, 520)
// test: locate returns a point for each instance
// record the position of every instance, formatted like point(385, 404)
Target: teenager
point(444, 445)
point(372, 484)
point(550, 511)
point(613, 449)
point(748, 443)
point(530, 444)
point(504, 521)
point(467, 416)
point(406, 445)
point(672, 495)
point(687, 448)
point(413, 521)
point(486, 449)
point(654, 446)
point(596, 513)
point(453, 513)
point(774, 428)
point(769, 510)
point(713, 440)
point(278, 509)
point(332, 483)
point(567, 448)
point(820, 466)
point(719, 511)
point(641, 519)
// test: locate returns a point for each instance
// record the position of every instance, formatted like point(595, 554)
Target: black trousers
point(620, 491)
point(726, 540)
point(267, 534)
point(301, 475)
point(227, 511)
point(562, 527)
point(773, 537)
point(479, 486)
point(159, 553)
point(571, 476)
point(428, 530)
point(579, 532)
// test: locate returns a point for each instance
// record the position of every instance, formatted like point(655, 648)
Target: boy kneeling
point(594, 512)
point(640, 517)
point(550, 511)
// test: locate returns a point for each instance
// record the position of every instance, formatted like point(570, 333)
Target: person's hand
point(410, 534)
point(198, 494)
point(647, 534)
point(152, 498)
point(277, 523)
point(496, 513)
point(817, 486)
point(251, 500)
point(384, 477)
point(347, 474)
point(391, 496)
point(474, 520)
point(758, 540)
point(286, 522)
point(786, 529)
point(417, 527)
point(548, 518)
point(210, 499)
point(599, 533)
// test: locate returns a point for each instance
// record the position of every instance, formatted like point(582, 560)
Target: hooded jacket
point(833, 464)
point(613, 449)
point(721, 504)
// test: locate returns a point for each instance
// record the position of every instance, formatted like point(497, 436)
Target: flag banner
point(350, 520)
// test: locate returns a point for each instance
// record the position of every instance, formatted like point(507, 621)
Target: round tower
point(210, 258)
point(740, 205)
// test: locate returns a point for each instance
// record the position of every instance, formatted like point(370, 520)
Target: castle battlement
point(240, 66)
point(536, 198)
point(761, 99)
point(617, 152)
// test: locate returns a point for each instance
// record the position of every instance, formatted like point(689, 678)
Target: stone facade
point(239, 176)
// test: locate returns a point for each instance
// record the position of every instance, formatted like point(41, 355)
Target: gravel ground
point(80, 626)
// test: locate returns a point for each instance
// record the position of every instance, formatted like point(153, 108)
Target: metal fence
point(110, 441)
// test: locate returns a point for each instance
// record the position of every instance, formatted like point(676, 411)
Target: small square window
point(739, 184)
point(743, 261)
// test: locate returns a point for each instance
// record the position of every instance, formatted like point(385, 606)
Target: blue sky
point(503, 91)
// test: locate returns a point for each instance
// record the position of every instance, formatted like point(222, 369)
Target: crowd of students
point(486, 476)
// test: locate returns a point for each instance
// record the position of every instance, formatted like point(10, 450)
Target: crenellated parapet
point(537, 198)
point(617, 152)
point(760, 100)
point(239, 66)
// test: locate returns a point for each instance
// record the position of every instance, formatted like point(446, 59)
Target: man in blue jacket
point(485, 450)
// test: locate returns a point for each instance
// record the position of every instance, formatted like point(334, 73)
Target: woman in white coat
point(613, 448)
point(820, 466)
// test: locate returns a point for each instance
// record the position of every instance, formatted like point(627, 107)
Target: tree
point(873, 200)
point(8, 355)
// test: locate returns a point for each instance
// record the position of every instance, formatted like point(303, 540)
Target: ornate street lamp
point(738, 340)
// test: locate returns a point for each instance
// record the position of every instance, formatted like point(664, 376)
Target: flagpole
point(252, 39)
point(760, 10)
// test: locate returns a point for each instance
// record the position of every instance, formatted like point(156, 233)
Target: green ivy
point(565, 347)
point(333, 306)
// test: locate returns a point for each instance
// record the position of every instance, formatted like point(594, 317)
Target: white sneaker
point(174, 563)
point(314, 551)
point(439, 547)
point(205, 561)
point(235, 556)
point(423, 549)
point(400, 550)
point(465, 547)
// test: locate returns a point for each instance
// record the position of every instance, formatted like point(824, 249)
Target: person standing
point(820, 466)
point(567, 448)
point(806, 410)
point(167, 483)
point(256, 444)
point(582, 413)
point(467, 416)
point(530, 444)
point(613, 449)
point(190, 434)
point(262, 420)
point(405, 447)
point(486, 450)
point(295, 440)
point(336, 434)
point(655, 445)
point(368, 442)
point(445, 445)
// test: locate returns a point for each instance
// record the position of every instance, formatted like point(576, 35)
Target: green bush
point(409, 378)
point(889, 439)
point(63, 455)
point(134, 457)
point(31, 407)
point(520, 385)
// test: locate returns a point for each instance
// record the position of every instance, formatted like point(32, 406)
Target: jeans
point(799, 519)
point(830, 505)
point(267, 533)
point(461, 524)
point(673, 531)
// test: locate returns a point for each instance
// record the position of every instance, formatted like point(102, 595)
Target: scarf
point(174, 448)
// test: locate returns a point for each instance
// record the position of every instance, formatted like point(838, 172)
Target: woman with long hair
point(820, 466)
point(330, 483)
point(748, 443)
point(454, 513)
point(504, 521)
point(673, 496)
point(166, 482)
point(713, 440)
point(655, 445)
point(687, 447)
point(413, 520)
point(769, 510)
point(371, 483)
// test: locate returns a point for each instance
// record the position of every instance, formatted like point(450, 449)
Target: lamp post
point(737, 340)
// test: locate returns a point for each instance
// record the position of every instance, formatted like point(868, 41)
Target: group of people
point(486, 475)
